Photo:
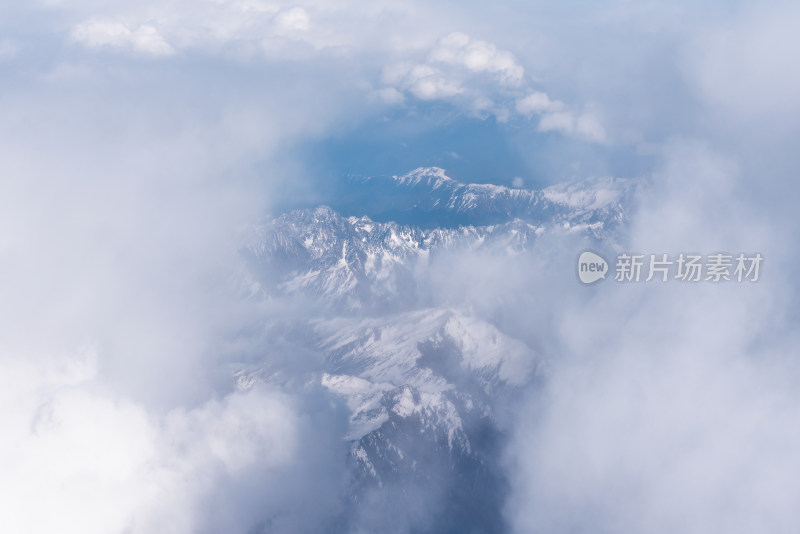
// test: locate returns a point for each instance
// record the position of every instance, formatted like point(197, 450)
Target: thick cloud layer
point(674, 407)
point(670, 407)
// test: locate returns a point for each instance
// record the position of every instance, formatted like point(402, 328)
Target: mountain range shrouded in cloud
point(311, 267)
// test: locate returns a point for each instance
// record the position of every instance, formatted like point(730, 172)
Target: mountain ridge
point(427, 197)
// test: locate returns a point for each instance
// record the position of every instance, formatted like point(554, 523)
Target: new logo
point(591, 267)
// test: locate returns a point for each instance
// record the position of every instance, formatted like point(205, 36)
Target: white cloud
point(242, 28)
point(472, 74)
point(468, 72)
point(78, 459)
point(757, 39)
point(294, 19)
point(484, 81)
point(428, 83)
point(590, 127)
point(667, 408)
point(537, 102)
point(99, 33)
point(478, 56)
point(585, 125)
point(390, 95)
point(561, 121)
point(131, 242)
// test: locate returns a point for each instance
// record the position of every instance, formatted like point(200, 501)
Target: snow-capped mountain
point(425, 387)
point(356, 262)
point(422, 388)
point(376, 355)
point(428, 197)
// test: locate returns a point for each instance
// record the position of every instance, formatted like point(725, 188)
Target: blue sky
point(471, 149)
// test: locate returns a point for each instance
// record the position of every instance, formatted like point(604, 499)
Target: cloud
point(672, 408)
point(477, 77)
point(537, 102)
point(294, 19)
point(473, 75)
point(585, 125)
point(231, 28)
point(423, 81)
point(145, 39)
point(457, 49)
point(118, 403)
point(390, 95)
point(753, 40)
point(469, 72)
point(97, 463)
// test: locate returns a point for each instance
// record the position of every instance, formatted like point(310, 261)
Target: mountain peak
point(431, 176)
